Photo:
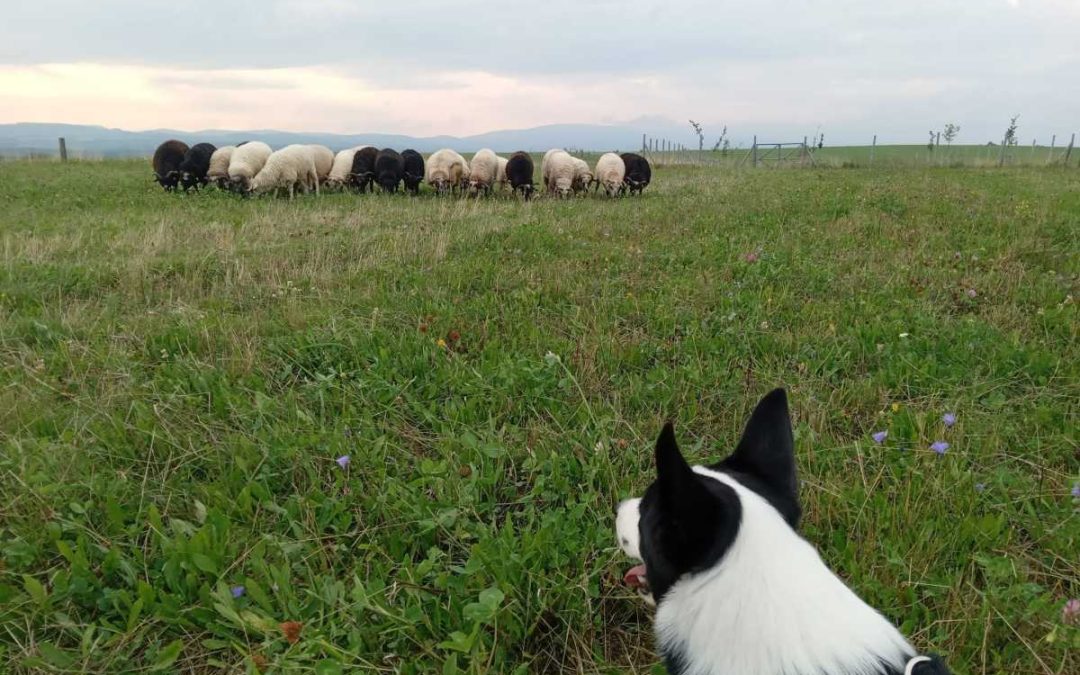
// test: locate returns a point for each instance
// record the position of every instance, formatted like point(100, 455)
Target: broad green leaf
point(167, 656)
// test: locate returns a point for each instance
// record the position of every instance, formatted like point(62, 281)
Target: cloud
point(431, 66)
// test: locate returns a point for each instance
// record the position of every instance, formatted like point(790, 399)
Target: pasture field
point(179, 375)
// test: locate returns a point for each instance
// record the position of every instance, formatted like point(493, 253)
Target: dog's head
point(687, 521)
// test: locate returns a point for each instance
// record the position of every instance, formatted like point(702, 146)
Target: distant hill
point(94, 141)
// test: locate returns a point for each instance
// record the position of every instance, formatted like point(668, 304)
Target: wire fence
point(799, 154)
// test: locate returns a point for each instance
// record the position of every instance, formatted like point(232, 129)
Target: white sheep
point(446, 170)
point(324, 160)
point(501, 179)
point(483, 171)
point(246, 162)
point(610, 171)
point(583, 176)
point(218, 173)
point(343, 161)
point(289, 168)
point(558, 172)
point(547, 156)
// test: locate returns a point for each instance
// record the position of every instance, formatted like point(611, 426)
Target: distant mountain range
point(20, 140)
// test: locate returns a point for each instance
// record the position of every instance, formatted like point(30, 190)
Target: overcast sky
point(422, 67)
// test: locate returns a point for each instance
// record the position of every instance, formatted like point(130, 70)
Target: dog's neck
point(772, 607)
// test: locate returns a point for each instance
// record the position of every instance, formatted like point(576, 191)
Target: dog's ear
point(682, 496)
point(767, 453)
point(672, 471)
point(694, 522)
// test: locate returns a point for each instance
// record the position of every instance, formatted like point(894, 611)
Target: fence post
point(873, 146)
point(643, 144)
point(1053, 142)
point(63, 149)
point(1001, 158)
point(1068, 152)
point(754, 151)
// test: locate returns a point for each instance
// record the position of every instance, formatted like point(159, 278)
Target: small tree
point(700, 135)
point(821, 141)
point(930, 144)
point(722, 143)
point(1010, 133)
point(951, 131)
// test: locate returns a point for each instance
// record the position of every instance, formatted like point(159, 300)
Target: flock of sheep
point(253, 168)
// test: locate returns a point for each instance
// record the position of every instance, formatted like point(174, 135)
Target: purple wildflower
point(1075, 492)
point(949, 419)
point(879, 436)
point(343, 461)
point(1071, 611)
point(980, 487)
point(238, 591)
point(751, 257)
point(939, 447)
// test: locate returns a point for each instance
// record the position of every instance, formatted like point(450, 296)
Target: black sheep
point(363, 168)
point(638, 172)
point(414, 170)
point(389, 169)
point(195, 166)
point(519, 171)
point(167, 160)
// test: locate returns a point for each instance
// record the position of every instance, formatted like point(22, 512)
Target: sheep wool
point(483, 171)
point(246, 162)
point(559, 171)
point(218, 173)
point(610, 171)
point(447, 171)
point(342, 167)
point(290, 168)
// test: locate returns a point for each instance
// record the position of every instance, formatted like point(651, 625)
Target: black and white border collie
point(737, 591)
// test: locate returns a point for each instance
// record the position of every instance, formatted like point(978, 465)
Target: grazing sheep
point(324, 161)
point(414, 170)
point(638, 172)
point(610, 171)
point(559, 171)
point(362, 175)
point(519, 171)
point(167, 159)
point(483, 172)
point(195, 166)
point(547, 156)
point(246, 162)
point(342, 168)
point(583, 176)
point(447, 171)
point(501, 177)
point(389, 169)
point(218, 172)
point(289, 168)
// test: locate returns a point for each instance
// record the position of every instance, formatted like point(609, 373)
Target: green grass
point(180, 373)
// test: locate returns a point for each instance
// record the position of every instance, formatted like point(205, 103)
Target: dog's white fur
point(770, 605)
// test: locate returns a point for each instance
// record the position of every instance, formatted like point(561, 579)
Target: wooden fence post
point(1068, 152)
point(643, 144)
point(63, 149)
point(754, 151)
point(1001, 158)
point(873, 146)
point(1053, 142)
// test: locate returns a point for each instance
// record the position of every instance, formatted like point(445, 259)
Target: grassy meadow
point(179, 376)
